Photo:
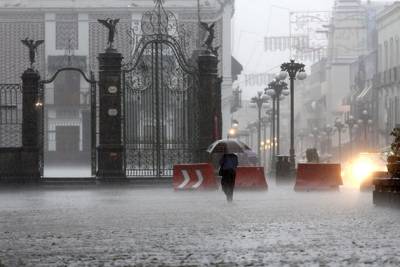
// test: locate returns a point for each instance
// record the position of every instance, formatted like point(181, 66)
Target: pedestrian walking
point(228, 165)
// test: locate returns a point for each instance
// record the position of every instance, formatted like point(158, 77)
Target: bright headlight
point(361, 169)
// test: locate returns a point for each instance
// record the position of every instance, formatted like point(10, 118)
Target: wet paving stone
point(160, 227)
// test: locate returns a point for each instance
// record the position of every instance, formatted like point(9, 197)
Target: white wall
point(388, 58)
point(348, 40)
point(389, 38)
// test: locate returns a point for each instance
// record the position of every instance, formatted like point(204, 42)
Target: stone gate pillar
point(110, 150)
point(210, 115)
point(31, 110)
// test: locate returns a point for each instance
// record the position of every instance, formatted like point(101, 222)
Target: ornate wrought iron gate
point(93, 116)
point(160, 100)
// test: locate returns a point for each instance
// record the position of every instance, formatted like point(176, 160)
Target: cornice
point(388, 11)
point(180, 10)
point(83, 4)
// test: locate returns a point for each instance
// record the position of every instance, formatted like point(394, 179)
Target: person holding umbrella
point(228, 162)
point(228, 165)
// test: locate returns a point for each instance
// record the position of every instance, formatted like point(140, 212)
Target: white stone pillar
point(226, 67)
point(83, 50)
point(83, 34)
point(50, 34)
point(50, 49)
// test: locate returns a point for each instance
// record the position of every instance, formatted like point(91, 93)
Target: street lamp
point(301, 136)
point(259, 100)
point(339, 126)
point(251, 127)
point(235, 124)
point(329, 130)
point(265, 121)
point(270, 114)
point(314, 134)
point(295, 71)
point(351, 123)
point(365, 121)
point(233, 130)
point(231, 133)
point(277, 89)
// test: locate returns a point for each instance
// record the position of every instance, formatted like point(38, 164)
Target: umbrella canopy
point(227, 146)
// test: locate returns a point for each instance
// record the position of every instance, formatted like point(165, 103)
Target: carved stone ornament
point(112, 89)
point(112, 112)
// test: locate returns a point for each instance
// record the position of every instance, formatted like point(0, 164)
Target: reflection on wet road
point(127, 226)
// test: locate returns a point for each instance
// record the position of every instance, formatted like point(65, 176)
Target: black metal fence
point(10, 115)
point(10, 129)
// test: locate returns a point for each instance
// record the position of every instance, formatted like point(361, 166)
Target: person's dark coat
point(228, 165)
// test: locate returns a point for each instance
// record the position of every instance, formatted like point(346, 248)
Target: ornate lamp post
point(301, 136)
point(315, 134)
point(231, 133)
point(251, 127)
point(235, 123)
point(273, 131)
point(365, 121)
point(277, 89)
point(339, 126)
point(351, 123)
point(250, 141)
point(265, 121)
point(259, 100)
point(295, 70)
point(233, 130)
point(270, 141)
point(329, 130)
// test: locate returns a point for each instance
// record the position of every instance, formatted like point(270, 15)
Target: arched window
point(386, 62)
point(380, 58)
point(397, 51)
point(391, 54)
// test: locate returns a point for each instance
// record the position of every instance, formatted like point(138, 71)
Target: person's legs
point(225, 183)
point(228, 183)
point(231, 184)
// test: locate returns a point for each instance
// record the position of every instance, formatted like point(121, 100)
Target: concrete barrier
point(194, 177)
point(315, 176)
point(252, 178)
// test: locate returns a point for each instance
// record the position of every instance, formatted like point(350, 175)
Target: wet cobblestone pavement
point(144, 227)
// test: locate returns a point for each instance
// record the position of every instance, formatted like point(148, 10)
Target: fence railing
point(10, 115)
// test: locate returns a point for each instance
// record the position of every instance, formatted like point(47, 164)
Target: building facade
point(343, 84)
point(73, 37)
point(388, 72)
point(347, 41)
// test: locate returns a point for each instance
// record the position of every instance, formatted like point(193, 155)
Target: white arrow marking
point(186, 179)
point(200, 178)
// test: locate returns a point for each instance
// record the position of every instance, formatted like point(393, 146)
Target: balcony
point(388, 77)
point(236, 101)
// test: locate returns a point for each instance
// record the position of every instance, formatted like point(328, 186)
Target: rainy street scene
point(199, 133)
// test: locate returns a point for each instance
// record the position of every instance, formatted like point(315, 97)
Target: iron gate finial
point(210, 29)
point(111, 25)
point(32, 45)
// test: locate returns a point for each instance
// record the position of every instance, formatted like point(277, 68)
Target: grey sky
point(255, 19)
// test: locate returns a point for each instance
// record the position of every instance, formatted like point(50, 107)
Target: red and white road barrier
point(251, 178)
point(314, 176)
point(194, 177)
